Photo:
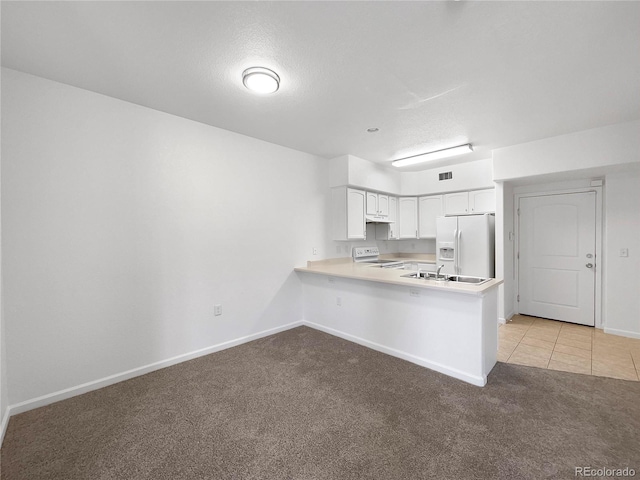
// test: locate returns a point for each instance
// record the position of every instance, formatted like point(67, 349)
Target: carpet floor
point(306, 405)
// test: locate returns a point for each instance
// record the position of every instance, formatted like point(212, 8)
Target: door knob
point(589, 265)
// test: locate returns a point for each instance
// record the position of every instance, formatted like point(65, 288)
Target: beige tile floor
point(538, 342)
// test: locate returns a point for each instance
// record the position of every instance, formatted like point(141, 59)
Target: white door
point(557, 257)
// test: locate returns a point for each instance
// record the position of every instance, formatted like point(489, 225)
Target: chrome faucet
point(438, 272)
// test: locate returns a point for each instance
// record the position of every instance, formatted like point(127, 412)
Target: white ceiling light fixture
point(425, 157)
point(261, 80)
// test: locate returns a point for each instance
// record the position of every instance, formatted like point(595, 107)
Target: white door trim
point(599, 256)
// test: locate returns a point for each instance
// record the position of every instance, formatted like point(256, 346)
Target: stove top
point(370, 255)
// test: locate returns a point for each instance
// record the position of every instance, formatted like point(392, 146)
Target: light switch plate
point(624, 252)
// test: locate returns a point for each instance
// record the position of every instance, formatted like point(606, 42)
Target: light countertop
point(347, 268)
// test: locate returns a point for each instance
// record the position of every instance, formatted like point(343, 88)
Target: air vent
point(445, 176)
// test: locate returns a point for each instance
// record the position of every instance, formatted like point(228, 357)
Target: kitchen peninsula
point(445, 326)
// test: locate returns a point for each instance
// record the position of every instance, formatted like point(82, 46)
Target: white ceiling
point(429, 75)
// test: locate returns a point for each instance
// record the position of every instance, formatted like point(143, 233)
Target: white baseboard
point(479, 381)
point(506, 318)
point(4, 423)
point(136, 372)
point(624, 333)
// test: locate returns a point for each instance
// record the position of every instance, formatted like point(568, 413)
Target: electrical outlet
point(332, 280)
point(339, 301)
point(414, 293)
point(315, 250)
point(217, 310)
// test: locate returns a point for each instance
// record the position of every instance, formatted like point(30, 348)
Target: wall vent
point(445, 176)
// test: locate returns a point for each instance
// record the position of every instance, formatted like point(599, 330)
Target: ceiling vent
point(445, 176)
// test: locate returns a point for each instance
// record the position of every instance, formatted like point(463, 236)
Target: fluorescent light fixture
point(425, 157)
point(261, 80)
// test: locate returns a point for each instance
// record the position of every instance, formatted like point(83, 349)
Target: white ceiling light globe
point(260, 80)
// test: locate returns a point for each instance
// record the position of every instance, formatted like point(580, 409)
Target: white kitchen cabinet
point(408, 217)
point(456, 203)
point(482, 201)
point(428, 209)
point(348, 208)
point(467, 203)
point(377, 204)
point(389, 231)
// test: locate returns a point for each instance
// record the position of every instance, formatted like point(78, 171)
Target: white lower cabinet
point(348, 205)
point(408, 217)
point(428, 209)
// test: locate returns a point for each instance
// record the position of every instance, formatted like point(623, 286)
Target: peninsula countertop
point(347, 268)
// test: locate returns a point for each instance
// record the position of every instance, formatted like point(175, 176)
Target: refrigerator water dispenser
point(446, 253)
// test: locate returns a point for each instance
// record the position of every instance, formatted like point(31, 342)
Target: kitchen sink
point(447, 278)
point(427, 276)
point(466, 279)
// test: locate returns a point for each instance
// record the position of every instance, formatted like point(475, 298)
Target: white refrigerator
point(465, 245)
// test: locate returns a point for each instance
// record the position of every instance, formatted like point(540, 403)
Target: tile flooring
point(538, 342)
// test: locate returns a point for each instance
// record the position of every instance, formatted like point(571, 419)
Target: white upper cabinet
point(456, 203)
point(428, 209)
point(383, 205)
point(467, 203)
point(408, 217)
point(348, 205)
point(482, 201)
point(377, 204)
point(389, 231)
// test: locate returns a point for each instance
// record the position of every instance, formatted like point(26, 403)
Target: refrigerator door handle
point(455, 251)
point(459, 242)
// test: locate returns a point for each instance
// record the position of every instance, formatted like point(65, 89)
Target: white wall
point(592, 152)
point(505, 240)
point(622, 275)
point(357, 172)
point(4, 399)
point(123, 226)
point(466, 176)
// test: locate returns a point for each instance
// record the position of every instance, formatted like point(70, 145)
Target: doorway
point(556, 257)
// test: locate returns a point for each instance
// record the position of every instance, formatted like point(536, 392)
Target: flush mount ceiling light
point(261, 80)
point(425, 157)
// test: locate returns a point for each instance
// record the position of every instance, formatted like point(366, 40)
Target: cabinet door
point(389, 231)
point(482, 201)
point(372, 203)
point(428, 209)
point(356, 226)
point(383, 205)
point(408, 217)
point(393, 218)
point(456, 203)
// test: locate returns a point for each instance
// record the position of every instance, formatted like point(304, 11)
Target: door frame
point(597, 308)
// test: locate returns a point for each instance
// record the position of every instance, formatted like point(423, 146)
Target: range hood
point(376, 219)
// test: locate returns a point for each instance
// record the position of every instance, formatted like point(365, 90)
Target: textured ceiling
point(428, 74)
